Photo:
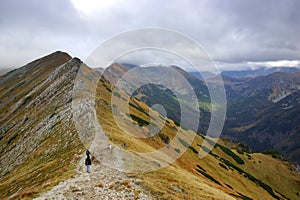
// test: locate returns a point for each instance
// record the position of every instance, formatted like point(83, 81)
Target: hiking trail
point(102, 183)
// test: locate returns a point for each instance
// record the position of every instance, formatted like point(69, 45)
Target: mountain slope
point(170, 98)
point(278, 128)
point(40, 146)
point(241, 174)
point(262, 112)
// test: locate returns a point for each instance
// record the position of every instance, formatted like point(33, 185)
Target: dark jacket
point(88, 161)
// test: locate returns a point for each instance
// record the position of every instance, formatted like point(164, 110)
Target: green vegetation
point(26, 99)
point(139, 120)
point(252, 178)
point(224, 166)
point(12, 138)
point(108, 89)
point(201, 171)
point(164, 138)
point(193, 150)
point(274, 153)
point(139, 109)
point(185, 144)
point(207, 150)
point(231, 154)
point(116, 94)
point(177, 150)
point(240, 151)
point(244, 197)
point(243, 147)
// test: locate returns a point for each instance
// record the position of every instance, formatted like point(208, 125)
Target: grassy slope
point(40, 147)
point(54, 158)
point(182, 180)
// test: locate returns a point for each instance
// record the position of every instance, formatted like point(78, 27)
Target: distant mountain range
point(263, 71)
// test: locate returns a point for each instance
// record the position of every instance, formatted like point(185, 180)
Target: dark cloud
point(29, 29)
point(231, 31)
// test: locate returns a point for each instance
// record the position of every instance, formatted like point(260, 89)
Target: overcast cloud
point(236, 34)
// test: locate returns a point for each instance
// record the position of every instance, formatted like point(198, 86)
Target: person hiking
point(88, 163)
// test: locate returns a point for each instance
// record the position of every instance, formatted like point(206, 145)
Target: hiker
point(88, 164)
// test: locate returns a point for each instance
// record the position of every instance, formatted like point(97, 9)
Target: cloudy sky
point(236, 34)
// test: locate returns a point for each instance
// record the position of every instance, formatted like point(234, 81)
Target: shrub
point(251, 178)
point(139, 120)
point(108, 89)
point(274, 153)
point(222, 165)
point(240, 151)
point(244, 147)
point(208, 176)
point(193, 150)
point(164, 138)
point(177, 150)
point(26, 99)
point(231, 154)
point(207, 150)
point(12, 138)
point(139, 109)
point(183, 143)
point(116, 94)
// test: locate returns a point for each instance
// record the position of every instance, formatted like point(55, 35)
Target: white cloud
point(89, 7)
point(279, 63)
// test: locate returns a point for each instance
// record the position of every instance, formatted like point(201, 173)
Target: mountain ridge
point(40, 147)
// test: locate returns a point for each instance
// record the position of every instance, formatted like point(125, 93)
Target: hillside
point(172, 91)
point(278, 128)
point(40, 146)
point(240, 174)
point(263, 112)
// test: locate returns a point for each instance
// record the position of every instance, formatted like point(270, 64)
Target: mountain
point(173, 77)
point(38, 143)
point(203, 75)
point(42, 151)
point(256, 114)
point(278, 128)
point(233, 161)
point(4, 70)
point(263, 71)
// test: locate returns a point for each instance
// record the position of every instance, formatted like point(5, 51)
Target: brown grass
point(183, 172)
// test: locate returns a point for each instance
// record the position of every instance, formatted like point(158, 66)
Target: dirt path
point(102, 183)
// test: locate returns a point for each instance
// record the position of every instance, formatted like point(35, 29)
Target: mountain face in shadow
point(263, 112)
